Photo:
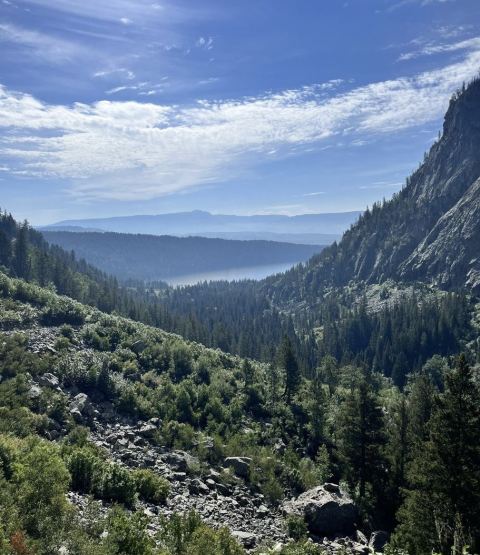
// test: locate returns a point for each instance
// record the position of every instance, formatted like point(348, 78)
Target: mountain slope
point(427, 232)
point(151, 257)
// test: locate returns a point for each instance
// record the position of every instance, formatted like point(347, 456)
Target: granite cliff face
point(429, 231)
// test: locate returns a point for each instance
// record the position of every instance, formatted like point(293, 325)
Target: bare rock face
point(428, 232)
point(327, 510)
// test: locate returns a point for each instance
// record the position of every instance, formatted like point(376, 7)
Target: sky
point(120, 107)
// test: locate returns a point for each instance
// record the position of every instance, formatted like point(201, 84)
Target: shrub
point(63, 311)
point(85, 471)
point(118, 485)
point(150, 487)
point(296, 527)
point(127, 534)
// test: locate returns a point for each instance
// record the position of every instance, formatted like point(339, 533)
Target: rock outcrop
point(327, 510)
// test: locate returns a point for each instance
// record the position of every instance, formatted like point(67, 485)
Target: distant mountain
point(199, 223)
point(429, 231)
point(151, 257)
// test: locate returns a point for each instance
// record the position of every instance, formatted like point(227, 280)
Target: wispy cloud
point(133, 150)
point(314, 194)
point(204, 42)
point(39, 45)
point(432, 48)
point(127, 73)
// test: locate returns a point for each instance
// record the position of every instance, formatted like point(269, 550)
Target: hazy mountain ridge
point(198, 222)
point(152, 257)
point(429, 231)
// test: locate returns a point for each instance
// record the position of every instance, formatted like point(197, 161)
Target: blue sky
point(259, 106)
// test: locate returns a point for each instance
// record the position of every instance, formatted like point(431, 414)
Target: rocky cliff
point(429, 231)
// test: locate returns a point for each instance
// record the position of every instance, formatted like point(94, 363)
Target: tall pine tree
point(442, 508)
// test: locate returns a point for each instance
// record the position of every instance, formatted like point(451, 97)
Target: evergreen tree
point(21, 262)
point(289, 365)
point(442, 508)
point(361, 439)
point(5, 249)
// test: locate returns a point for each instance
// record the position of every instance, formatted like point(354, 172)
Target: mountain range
point(306, 228)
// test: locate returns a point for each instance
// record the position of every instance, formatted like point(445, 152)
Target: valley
point(297, 378)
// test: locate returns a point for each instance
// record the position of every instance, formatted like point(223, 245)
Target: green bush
point(86, 471)
point(63, 311)
point(127, 534)
point(151, 487)
point(118, 485)
point(296, 527)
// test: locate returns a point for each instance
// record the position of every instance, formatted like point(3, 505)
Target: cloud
point(39, 45)
point(141, 150)
point(314, 194)
point(128, 74)
point(205, 42)
point(431, 49)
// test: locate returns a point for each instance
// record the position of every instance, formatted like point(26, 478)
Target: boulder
point(81, 406)
point(198, 487)
point(245, 538)
point(181, 461)
point(378, 540)
point(148, 430)
point(240, 465)
point(34, 392)
point(49, 380)
point(327, 510)
point(139, 346)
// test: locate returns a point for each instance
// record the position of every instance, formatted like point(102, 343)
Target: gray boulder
point(378, 540)
point(327, 510)
point(49, 380)
point(198, 487)
point(34, 392)
point(240, 465)
point(181, 461)
point(82, 407)
point(245, 538)
point(138, 346)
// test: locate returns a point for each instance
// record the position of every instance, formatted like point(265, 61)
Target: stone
point(34, 392)
point(49, 380)
point(148, 430)
point(138, 346)
point(198, 487)
point(81, 405)
point(240, 465)
point(378, 540)
point(245, 538)
point(224, 489)
point(326, 512)
point(263, 511)
point(181, 461)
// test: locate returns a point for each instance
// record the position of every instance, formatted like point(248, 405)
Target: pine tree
point(442, 509)
point(361, 439)
point(289, 365)
point(21, 262)
point(5, 249)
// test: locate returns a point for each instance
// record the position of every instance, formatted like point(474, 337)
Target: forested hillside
point(110, 429)
point(155, 258)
